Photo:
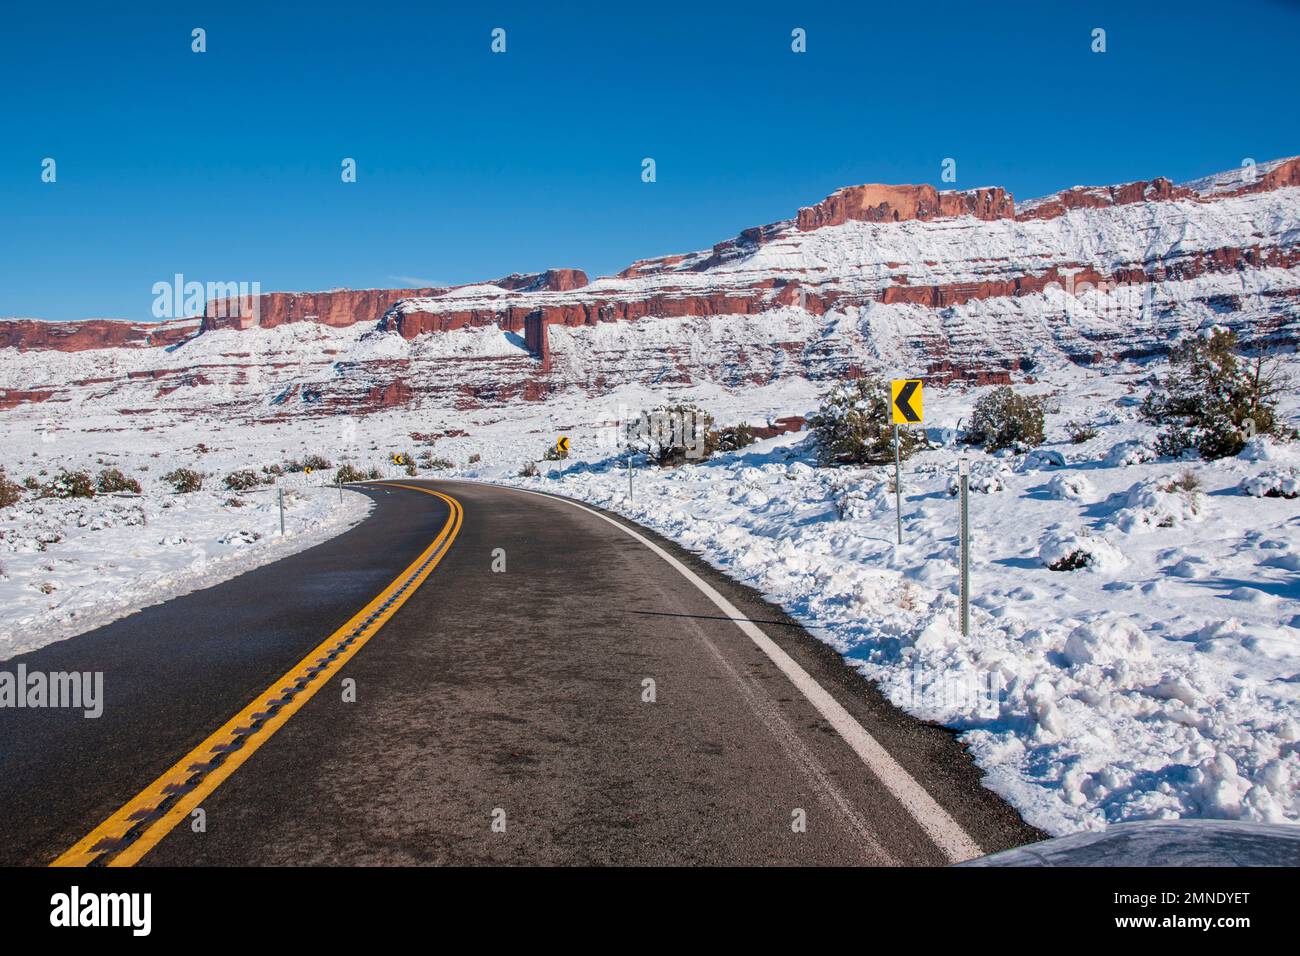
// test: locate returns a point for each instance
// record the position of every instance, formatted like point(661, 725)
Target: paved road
point(499, 715)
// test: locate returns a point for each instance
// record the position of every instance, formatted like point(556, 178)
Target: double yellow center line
point(126, 836)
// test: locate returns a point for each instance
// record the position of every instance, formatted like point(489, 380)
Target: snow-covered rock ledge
point(70, 565)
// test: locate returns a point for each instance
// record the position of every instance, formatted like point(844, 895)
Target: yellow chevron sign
point(905, 401)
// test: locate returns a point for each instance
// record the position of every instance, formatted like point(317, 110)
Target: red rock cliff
point(552, 280)
point(1096, 197)
point(30, 334)
point(337, 309)
point(880, 203)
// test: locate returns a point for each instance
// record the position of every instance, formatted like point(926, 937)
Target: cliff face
point(1098, 197)
point(92, 334)
point(878, 203)
point(949, 284)
point(335, 309)
point(344, 307)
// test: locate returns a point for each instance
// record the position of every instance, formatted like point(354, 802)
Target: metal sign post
point(281, 490)
point(629, 476)
point(963, 472)
point(907, 408)
point(898, 487)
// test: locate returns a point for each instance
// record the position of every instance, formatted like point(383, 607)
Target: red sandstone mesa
point(733, 280)
point(868, 203)
point(880, 203)
point(336, 309)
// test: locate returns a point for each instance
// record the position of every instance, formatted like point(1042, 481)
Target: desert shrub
point(1071, 551)
point(438, 464)
point(1080, 432)
point(349, 472)
point(672, 435)
point(1213, 401)
point(854, 426)
point(554, 454)
point(314, 462)
point(529, 470)
point(1074, 561)
point(31, 483)
point(1283, 482)
point(1006, 419)
point(475, 458)
point(735, 437)
point(1175, 442)
point(1070, 487)
point(184, 480)
point(10, 491)
point(1186, 482)
point(271, 471)
point(242, 480)
point(69, 484)
point(112, 480)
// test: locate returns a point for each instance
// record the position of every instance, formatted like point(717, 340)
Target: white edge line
point(947, 834)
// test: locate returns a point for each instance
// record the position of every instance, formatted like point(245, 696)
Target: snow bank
point(1274, 483)
point(1074, 551)
point(1156, 681)
point(70, 565)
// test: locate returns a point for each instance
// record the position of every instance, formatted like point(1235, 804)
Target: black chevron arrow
point(904, 400)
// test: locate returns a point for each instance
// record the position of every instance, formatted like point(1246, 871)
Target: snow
point(1060, 551)
point(1075, 720)
point(864, 257)
point(71, 565)
point(1159, 681)
point(1273, 483)
point(1233, 178)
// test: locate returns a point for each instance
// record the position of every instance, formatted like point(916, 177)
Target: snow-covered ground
point(69, 565)
point(1162, 681)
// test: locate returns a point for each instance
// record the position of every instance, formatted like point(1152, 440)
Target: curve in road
point(566, 688)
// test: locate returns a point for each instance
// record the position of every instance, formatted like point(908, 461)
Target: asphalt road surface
point(500, 716)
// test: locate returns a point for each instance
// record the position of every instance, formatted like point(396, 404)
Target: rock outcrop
point(552, 280)
point(880, 203)
point(1097, 197)
point(336, 309)
point(33, 334)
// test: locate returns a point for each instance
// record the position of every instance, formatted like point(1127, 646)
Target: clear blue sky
point(225, 166)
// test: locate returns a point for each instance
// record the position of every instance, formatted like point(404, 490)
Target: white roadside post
point(281, 490)
point(963, 473)
point(629, 474)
